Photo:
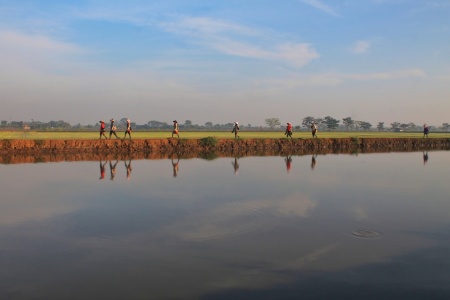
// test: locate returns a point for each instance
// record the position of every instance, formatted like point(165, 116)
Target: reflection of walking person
point(112, 129)
point(425, 157)
point(175, 128)
point(112, 169)
point(425, 130)
point(102, 170)
point(128, 167)
point(314, 130)
point(175, 167)
point(102, 129)
point(235, 129)
point(235, 166)
point(288, 161)
point(288, 132)
point(128, 130)
point(313, 161)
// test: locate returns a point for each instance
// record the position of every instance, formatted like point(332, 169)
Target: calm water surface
point(371, 226)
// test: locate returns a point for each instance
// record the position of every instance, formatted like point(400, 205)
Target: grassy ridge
point(33, 135)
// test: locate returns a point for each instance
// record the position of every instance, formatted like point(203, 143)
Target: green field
point(36, 135)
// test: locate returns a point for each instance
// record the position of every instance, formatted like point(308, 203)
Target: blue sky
point(222, 61)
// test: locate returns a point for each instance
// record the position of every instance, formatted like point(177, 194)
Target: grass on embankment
point(34, 135)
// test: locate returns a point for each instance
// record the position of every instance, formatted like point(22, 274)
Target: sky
point(220, 61)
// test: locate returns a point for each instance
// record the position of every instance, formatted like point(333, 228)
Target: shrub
point(209, 141)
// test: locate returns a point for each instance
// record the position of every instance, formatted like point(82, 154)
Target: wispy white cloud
point(226, 38)
point(321, 6)
point(20, 51)
point(334, 79)
point(205, 26)
point(13, 39)
point(360, 47)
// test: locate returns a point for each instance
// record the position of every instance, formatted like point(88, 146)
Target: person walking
point(128, 130)
point(102, 129)
point(112, 129)
point(288, 132)
point(175, 128)
point(426, 130)
point(314, 130)
point(235, 129)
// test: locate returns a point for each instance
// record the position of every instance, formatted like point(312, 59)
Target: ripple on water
point(368, 234)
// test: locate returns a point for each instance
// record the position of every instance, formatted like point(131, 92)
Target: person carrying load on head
point(235, 129)
point(102, 129)
point(288, 132)
point(426, 130)
point(112, 129)
point(128, 130)
point(175, 128)
point(314, 130)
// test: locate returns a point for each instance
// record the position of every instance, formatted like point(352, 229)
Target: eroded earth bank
point(23, 151)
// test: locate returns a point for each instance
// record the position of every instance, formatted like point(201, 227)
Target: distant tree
point(188, 124)
point(445, 126)
point(157, 124)
point(122, 123)
point(395, 125)
point(307, 121)
point(208, 124)
point(16, 124)
point(404, 126)
point(380, 126)
point(272, 122)
point(319, 122)
point(413, 126)
point(348, 122)
point(331, 123)
point(357, 124)
point(365, 125)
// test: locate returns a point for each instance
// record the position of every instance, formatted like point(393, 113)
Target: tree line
point(330, 123)
point(327, 123)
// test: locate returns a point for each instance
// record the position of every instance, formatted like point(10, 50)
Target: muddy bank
point(15, 151)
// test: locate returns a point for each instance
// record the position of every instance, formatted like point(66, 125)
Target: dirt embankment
point(209, 148)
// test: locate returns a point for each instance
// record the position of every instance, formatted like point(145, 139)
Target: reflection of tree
point(128, 167)
point(313, 161)
point(288, 161)
point(235, 165)
point(112, 169)
point(102, 170)
point(425, 157)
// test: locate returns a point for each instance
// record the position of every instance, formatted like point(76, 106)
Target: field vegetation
point(91, 135)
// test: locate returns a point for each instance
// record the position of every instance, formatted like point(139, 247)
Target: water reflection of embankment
point(20, 158)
